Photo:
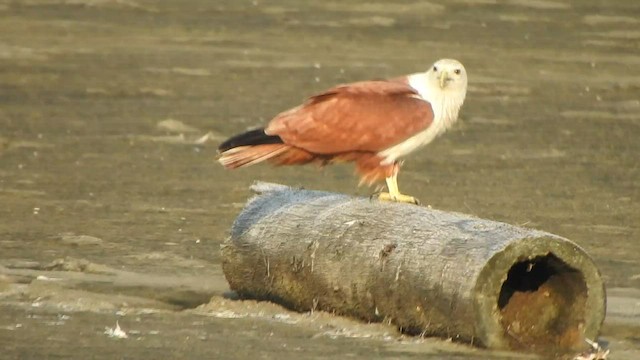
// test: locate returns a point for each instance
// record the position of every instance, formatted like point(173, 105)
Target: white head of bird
point(444, 86)
point(446, 80)
point(449, 76)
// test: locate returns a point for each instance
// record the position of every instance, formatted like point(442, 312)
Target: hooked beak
point(444, 77)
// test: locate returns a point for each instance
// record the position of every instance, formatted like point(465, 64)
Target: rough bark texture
point(429, 272)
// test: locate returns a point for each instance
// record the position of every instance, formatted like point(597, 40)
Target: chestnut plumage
point(371, 123)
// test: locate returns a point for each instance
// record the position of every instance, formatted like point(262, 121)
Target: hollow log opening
point(542, 304)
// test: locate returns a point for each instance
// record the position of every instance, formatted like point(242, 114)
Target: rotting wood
point(429, 272)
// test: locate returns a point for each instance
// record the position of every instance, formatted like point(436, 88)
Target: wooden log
point(427, 271)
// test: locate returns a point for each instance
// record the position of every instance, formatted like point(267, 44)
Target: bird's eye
point(457, 71)
point(435, 68)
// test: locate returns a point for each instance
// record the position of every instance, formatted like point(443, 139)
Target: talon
point(384, 196)
point(394, 194)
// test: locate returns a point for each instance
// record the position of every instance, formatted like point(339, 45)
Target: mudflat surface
point(113, 208)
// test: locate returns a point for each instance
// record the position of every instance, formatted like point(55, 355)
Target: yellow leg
point(394, 194)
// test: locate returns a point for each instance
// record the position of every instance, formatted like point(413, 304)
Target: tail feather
point(248, 155)
point(255, 146)
point(252, 137)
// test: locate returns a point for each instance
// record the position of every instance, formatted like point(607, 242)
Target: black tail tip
point(251, 137)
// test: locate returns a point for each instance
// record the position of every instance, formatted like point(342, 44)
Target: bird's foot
point(385, 196)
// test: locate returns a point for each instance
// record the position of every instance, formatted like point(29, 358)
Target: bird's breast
point(416, 141)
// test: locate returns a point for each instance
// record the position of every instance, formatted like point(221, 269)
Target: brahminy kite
point(371, 123)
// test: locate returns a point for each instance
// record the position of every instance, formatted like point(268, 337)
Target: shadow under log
point(429, 272)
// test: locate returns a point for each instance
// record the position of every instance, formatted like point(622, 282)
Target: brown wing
point(363, 116)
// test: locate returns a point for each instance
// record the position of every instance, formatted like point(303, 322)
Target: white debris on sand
point(595, 353)
point(116, 332)
point(176, 126)
point(203, 139)
point(46, 278)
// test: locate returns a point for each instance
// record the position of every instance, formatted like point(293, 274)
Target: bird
point(374, 124)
